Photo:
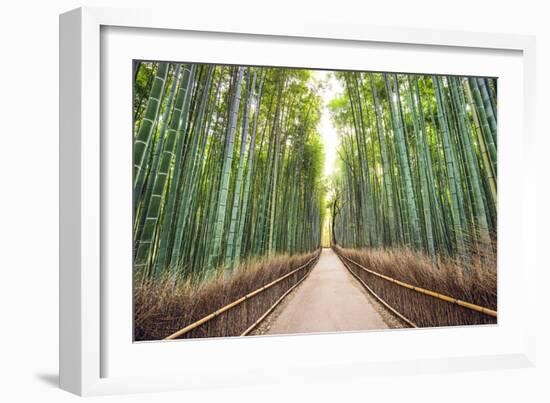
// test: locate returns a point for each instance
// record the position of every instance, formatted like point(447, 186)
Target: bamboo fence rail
point(375, 295)
point(235, 303)
point(424, 291)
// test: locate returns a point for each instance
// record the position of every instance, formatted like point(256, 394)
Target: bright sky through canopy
point(326, 129)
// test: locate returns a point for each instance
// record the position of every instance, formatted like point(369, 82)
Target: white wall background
point(29, 195)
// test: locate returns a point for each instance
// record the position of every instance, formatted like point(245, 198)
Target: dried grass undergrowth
point(164, 306)
point(477, 284)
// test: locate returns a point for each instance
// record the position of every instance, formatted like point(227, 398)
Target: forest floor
point(330, 299)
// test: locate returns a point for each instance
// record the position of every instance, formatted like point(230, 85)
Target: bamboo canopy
point(417, 163)
point(228, 166)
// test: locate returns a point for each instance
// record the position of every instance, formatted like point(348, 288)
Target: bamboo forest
point(251, 182)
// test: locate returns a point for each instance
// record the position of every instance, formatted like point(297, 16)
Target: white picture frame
point(93, 338)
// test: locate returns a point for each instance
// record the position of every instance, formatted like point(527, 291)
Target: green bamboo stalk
point(167, 224)
point(451, 169)
point(226, 172)
point(424, 199)
point(145, 133)
point(143, 255)
point(487, 132)
point(491, 113)
point(276, 130)
point(403, 159)
point(152, 172)
point(250, 166)
point(481, 217)
point(238, 184)
point(187, 168)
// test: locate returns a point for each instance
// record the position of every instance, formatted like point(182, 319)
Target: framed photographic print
point(336, 186)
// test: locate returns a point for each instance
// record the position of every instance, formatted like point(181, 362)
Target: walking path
point(329, 300)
